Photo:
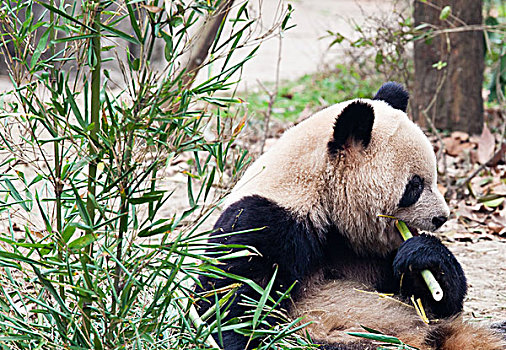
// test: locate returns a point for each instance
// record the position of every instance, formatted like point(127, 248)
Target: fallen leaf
point(454, 147)
point(499, 157)
point(499, 217)
point(496, 228)
point(451, 145)
point(460, 135)
point(486, 146)
point(470, 212)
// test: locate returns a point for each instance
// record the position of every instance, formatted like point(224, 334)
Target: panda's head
point(349, 163)
point(380, 162)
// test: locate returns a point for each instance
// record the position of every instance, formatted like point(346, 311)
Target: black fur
point(299, 251)
point(354, 124)
point(394, 94)
point(341, 262)
point(426, 252)
point(286, 242)
point(413, 191)
point(437, 336)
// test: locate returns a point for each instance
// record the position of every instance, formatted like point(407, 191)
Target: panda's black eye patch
point(413, 191)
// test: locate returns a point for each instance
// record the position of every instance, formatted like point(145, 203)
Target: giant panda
point(310, 207)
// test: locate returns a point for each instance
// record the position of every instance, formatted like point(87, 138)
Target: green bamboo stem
point(123, 226)
point(58, 183)
point(92, 168)
point(428, 277)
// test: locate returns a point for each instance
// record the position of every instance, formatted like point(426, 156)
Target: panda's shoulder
point(253, 210)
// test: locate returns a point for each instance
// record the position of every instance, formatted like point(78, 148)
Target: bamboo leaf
point(68, 232)
point(43, 213)
point(263, 299)
point(156, 231)
point(75, 109)
point(445, 13)
point(63, 14)
point(378, 337)
point(370, 330)
point(119, 34)
point(41, 47)
point(147, 197)
point(133, 22)
point(51, 290)
point(81, 206)
point(191, 199)
point(19, 257)
point(83, 241)
point(15, 194)
point(494, 203)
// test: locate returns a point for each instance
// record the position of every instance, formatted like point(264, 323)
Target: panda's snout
point(438, 221)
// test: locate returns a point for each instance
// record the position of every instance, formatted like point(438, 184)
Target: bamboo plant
point(95, 251)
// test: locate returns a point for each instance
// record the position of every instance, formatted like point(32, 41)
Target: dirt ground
point(483, 263)
point(304, 52)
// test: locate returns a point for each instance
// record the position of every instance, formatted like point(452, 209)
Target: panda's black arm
point(283, 241)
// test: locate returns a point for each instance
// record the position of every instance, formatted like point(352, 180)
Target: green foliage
point(381, 46)
point(389, 341)
point(445, 13)
point(313, 92)
point(95, 253)
point(495, 56)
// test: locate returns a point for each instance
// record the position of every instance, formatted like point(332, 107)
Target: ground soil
point(483, 263)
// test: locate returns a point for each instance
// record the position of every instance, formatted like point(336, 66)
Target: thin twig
point(439, 8)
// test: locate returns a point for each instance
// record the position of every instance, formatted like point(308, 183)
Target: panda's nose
point(438, 221)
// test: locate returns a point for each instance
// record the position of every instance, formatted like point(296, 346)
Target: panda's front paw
point(427, 252)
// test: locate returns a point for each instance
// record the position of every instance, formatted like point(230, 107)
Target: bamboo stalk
point(58, 183)
point(95, 67)
point(123, 225)
point(428, 277)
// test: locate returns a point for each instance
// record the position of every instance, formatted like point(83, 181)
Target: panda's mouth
point(414, 231)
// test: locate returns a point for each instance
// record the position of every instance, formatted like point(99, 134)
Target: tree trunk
point(200, 50)
point(449, 97)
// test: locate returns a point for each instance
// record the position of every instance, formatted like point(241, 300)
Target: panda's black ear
point(394, 94)
point(353, 126)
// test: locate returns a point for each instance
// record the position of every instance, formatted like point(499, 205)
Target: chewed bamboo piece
point(428, 277)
